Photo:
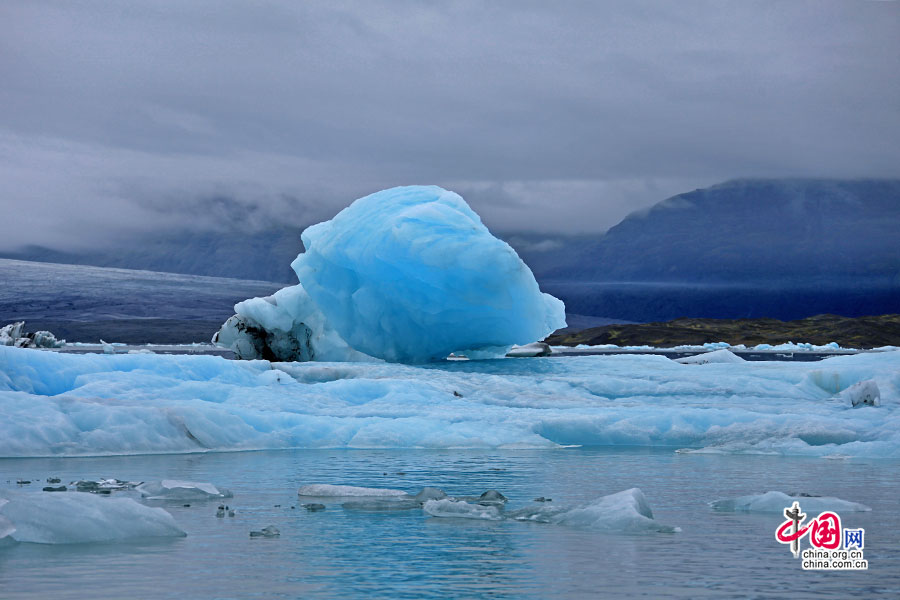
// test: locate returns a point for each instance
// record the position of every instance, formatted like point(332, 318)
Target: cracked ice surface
point(58, 404)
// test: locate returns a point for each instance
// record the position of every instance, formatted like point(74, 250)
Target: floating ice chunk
point(411, 274)
point(103, 486)
point(173, 489)
point(528, 350)
point(627, 511)
point(864, 393)
point(12, 333)
point(461, 510)
point(405, 502)
point(269, 532)
point(716, 356)
point(76, 517)
point(324, 490)
point(492, 498)
point(776, 502)
point(286, 326)
point(382, 504)
point(430, 493)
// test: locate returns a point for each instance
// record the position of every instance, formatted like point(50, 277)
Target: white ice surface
point(776, 502)
point(325, 490)
point(62, 404)
point(77, 517)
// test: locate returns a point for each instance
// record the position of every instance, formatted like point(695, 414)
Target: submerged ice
point(408, 274)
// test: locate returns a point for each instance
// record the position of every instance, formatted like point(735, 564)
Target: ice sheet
point(57, 404)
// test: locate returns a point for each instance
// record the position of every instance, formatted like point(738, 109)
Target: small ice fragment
point(173, 489)
point(269, 532)
point(529, 350)
point(429, 493)
point(627, 512)
point(776, 502)
point(864, 393)
point(492, 497)
point(324, 490)
point(462, 510)
point(716, 356)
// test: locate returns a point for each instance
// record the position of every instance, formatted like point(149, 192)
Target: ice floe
point(324, 490)
point(77, 517)
point(59, 404)
point(173, 489)
point(776, 502)
point(627, 512)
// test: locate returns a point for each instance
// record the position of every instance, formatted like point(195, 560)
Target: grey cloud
point(547, 116)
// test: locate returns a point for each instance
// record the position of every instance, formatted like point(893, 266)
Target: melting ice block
point(408, 274)
point(78, 517)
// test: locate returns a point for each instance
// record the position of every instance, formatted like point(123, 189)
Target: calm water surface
point(342, 553)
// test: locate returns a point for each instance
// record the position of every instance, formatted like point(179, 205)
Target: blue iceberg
point(408, 274)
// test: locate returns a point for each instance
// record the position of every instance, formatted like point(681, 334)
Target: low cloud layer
point(558, 117)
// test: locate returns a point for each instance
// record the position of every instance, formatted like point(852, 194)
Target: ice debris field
point(59, 404)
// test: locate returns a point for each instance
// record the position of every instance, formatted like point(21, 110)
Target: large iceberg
point(54, 404)
point(408, 274)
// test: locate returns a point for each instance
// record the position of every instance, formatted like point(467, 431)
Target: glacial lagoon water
point(342, 553)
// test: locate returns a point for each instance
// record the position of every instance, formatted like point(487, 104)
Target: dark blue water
point(340, 553)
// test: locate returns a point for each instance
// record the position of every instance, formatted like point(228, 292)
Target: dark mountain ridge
point(780, 248)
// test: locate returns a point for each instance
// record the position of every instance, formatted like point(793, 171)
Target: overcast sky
point(547, 116)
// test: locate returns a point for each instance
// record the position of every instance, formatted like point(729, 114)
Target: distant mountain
point(781, 248)
point(785, 249)
point(756, 231)
point(264, 255)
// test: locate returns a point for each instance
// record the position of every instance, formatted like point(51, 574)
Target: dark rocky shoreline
point(858, 332)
